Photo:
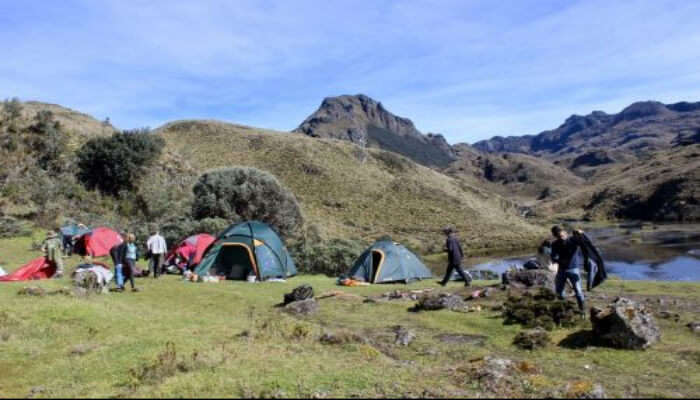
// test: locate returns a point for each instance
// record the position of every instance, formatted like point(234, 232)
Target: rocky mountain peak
point(365, 121)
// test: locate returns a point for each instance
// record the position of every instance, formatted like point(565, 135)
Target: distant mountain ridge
point(364, 121)
point(640, 128)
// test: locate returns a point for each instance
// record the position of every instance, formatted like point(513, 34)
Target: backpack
point(299, 293)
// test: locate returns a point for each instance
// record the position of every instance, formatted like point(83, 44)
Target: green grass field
point(178, 339)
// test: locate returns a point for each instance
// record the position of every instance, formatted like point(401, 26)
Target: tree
point(242, 193)
point(116, 163)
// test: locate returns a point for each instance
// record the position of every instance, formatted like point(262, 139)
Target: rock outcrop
point(625, 324)
point(364, 121)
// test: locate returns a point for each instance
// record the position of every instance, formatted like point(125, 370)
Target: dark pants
point(460, 271)
point(129, 268)
point(156, 264)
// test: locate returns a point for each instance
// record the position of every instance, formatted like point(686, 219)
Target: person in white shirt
point(157, 250)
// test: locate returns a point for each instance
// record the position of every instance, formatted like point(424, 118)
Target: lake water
point(635, 252)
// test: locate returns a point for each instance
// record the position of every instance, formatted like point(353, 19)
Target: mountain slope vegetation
point(349, 191)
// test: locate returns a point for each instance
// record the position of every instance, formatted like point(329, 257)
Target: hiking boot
point(135, 289)
point(441, 283)
point(58, 275)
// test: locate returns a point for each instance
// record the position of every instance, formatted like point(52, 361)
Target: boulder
point(32, 291)
point(531, 339)
point(432, 302)
point(404, 336)
point(302, 307)
point(625, 324)
point(525, 279)
point(694, 327)
point(583, 390)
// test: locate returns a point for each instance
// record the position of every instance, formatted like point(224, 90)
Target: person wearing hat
point(52, 251)
point(454, 257)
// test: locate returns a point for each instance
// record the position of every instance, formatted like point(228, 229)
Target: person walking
point(454, 257)
point(566, 253)
point(52, 251)
point(157, 249)
point(117, 252)
point(131, 255)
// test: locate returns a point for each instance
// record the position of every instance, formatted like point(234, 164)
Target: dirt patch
point(167, 364)
point(82, 349)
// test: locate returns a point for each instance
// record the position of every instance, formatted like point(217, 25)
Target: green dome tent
point(387, 261)
point(245, 248)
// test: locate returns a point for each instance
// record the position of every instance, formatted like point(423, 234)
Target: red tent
point(191, 249)
point(39, 268)
point(98, 242)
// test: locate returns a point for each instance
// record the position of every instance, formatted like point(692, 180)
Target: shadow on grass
point(579, 340)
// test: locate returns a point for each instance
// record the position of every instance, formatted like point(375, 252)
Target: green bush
point(241, 193)
point(332, 258)
point(116, 163)
point(175, 230)
point(10, 227)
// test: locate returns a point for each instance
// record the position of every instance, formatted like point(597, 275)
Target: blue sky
point(467, 69)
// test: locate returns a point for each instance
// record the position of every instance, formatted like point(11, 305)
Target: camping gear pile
point(299, 293)
point(91, 278)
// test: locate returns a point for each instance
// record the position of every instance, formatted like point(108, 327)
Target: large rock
point(302, 307)
point(625, 324)
point(524, 279)
point(439, 301)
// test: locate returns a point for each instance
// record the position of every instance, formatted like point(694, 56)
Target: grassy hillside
point(518, 177)
point(662, 186)
point(346, 191)
point(178, 339)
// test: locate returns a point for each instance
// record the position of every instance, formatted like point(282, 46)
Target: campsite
point(312, 199)
point(179, 338)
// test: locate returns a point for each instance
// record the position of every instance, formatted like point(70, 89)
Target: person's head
point(558, 232)
point(545, 247)
point(154, 232)
point(130, 238)
point(51, 234)
point(448, 230)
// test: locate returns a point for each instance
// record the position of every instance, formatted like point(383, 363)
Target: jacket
point(593, 262)
point(118, 253)
point(454, 251)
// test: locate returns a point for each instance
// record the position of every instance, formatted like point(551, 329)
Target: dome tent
point(97, 242)
point(191, 249)
point(386, 261)
point(245, 248)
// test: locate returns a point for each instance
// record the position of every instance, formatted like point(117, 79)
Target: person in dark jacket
point(118, 253)
point(564, 248)
point(454, 258)
point(124, 256)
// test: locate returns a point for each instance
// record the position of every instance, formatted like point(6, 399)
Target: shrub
point(10, 227)
point(13, 108)
point(332, 258)
point(242, 193)
point(178, 229)
point(116, 163)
